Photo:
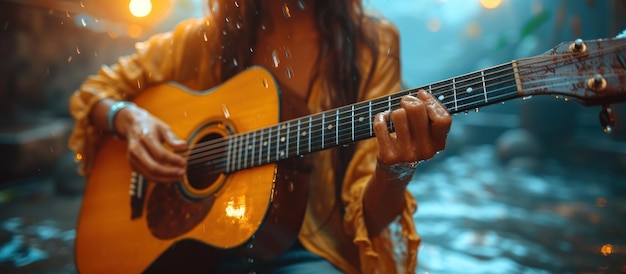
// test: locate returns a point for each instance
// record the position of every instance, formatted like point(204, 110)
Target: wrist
point(398, 171)
point(114, 111)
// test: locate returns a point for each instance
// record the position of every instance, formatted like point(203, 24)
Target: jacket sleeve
point(381, 253)
point(156, 60)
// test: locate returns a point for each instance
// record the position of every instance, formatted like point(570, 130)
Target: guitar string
point(539, 58)
point(506, 66)
point(215, 169)
point(476, 94)
point(521, 71)
point(241, 148)
point(221, 166)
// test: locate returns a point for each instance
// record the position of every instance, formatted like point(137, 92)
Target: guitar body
point(128, 225)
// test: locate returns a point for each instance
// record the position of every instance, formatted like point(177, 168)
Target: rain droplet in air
point(286, 11)
point(265, 83)
point(77, 50)
point(301, 5)
point(82, 21)
point(82, 5)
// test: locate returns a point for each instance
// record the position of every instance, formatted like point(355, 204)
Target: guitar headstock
point(592, 72)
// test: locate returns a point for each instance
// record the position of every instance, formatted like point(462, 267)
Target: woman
point(323, 54)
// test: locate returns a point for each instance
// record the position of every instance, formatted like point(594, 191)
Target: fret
point(229, 155)
point(352, 122)
point(269, 145)
point(323, 136)
point(308, 132)
point(251, 149)
point(316, 131)
point(298, 139)
point(337, 127)
point(371, 120)
point(261, 145)
point(344, 126)
point(456, 103)
point(285, 140)
point(482, 76)
point(330, 129)
point(240, 151)
point(245, 150)
point(362, 121)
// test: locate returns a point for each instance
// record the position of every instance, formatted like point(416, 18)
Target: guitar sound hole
point(205, 163)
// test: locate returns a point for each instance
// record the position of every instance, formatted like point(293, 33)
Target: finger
point(419, 124)
point(440, 121)
point(153, 142)
point(382, 136)
point(145, 171)
point(174, 142)
point(404, 138)
point(141, 162)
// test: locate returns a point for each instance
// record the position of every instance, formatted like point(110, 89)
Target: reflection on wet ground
point(475, 216)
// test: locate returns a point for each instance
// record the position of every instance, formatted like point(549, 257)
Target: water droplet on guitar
point(291, 187)
point(476, 110)
point(465, 112)
point(289, 72)
point(275, 60)
point(250, 260)
point(469, 90)
point(440, 97)
point(250, 245)
point(265, 83)
point(235, 62)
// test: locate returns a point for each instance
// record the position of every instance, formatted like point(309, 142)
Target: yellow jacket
point(186, 55)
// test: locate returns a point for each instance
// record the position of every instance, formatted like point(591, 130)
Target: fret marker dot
point(282, 139)
point(250, 147)
point(265, 143)
point(361, 119)
point(304, 133)
point(330, 126)
point(440, 97)
point(469, 90)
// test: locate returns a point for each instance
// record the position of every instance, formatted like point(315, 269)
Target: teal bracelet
point(113, 110)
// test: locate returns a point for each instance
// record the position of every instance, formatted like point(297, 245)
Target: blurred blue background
point(527, 186)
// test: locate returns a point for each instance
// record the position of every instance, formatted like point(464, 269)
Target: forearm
point(383, 200)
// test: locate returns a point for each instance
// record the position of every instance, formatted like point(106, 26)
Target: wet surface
point(475, 216)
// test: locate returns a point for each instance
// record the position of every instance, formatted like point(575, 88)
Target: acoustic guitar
point(234, 199)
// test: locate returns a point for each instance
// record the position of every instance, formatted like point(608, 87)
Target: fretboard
point(354, 122)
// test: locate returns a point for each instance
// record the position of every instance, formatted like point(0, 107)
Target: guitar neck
point(347, 124)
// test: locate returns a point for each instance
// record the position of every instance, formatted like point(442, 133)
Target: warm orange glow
point(140, 8)
point(606, 249)
point(490, 4)
point(134, 31)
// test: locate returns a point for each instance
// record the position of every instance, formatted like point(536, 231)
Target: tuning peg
point(578, 46)
point(607, 118)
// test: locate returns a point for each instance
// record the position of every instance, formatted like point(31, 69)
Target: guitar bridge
point(137, 194)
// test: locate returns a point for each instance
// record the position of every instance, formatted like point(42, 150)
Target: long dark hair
point(341, 25)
